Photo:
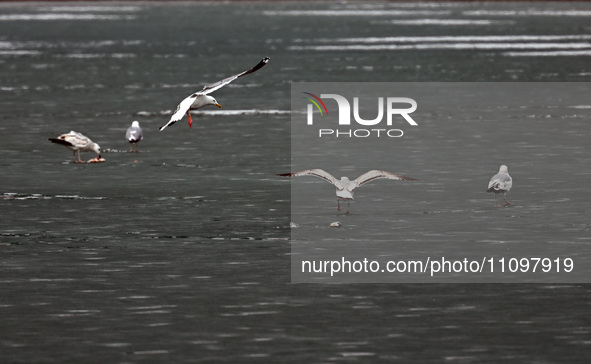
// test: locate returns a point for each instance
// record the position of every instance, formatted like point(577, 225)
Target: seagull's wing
point(500, 182)
point(181, 110)
point(61, 141)
point(316, 173)
point(139, 134)
point(376, 174)
point(508, 184)
point(77, 139)
point(217, 85)
point(130, 134)
point(72, 139)
point(133, 134)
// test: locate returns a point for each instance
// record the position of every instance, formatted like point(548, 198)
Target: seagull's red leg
point(338, 205)
point(190, 120)
point(348, 203)
point(506, 202)
point(77, 161)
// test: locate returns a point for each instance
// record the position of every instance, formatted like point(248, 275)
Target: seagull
point(201, 98)
point(501, 183)
point(133, 135)
point(345, 186)
point(77, 142)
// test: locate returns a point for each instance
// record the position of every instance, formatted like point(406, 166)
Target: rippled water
point(181, 252)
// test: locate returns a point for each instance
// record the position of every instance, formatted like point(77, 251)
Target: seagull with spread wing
point(201, 98)
point(344, 186)
point(77, 142)
point(501, 183)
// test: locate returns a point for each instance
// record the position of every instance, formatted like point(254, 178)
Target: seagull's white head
point(96, 148)
point(135, 124)
point(211, 101)
point(345, 179)
point(503, 169)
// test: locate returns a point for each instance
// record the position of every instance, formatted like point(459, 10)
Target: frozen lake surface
point(181, 253)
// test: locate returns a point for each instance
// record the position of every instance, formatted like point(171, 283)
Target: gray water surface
point(181, 253)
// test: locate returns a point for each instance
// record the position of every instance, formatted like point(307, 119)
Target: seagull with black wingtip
point(201, 98)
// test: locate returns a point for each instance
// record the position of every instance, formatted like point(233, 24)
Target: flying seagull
point(345, 186)
point(133, 135)
point(501, 183)
point(77, 142)
point(201, 98)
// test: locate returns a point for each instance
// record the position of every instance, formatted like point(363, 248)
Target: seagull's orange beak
point(218, 105)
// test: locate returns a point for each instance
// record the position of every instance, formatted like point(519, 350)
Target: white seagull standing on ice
point(77, 142)
point(133, 135)
point(345, 186)
point(201, 98)
point(501, 183)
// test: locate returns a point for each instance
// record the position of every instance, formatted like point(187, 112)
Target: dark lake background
point(181, 253)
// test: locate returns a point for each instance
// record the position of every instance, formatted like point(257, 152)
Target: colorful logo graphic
point(316, 103)
point(349, 115)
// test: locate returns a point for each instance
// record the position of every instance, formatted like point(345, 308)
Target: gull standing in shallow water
point(201, 98)
point(345, 186)
point(133, 135)
point(501, 183)
point(77, 142)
